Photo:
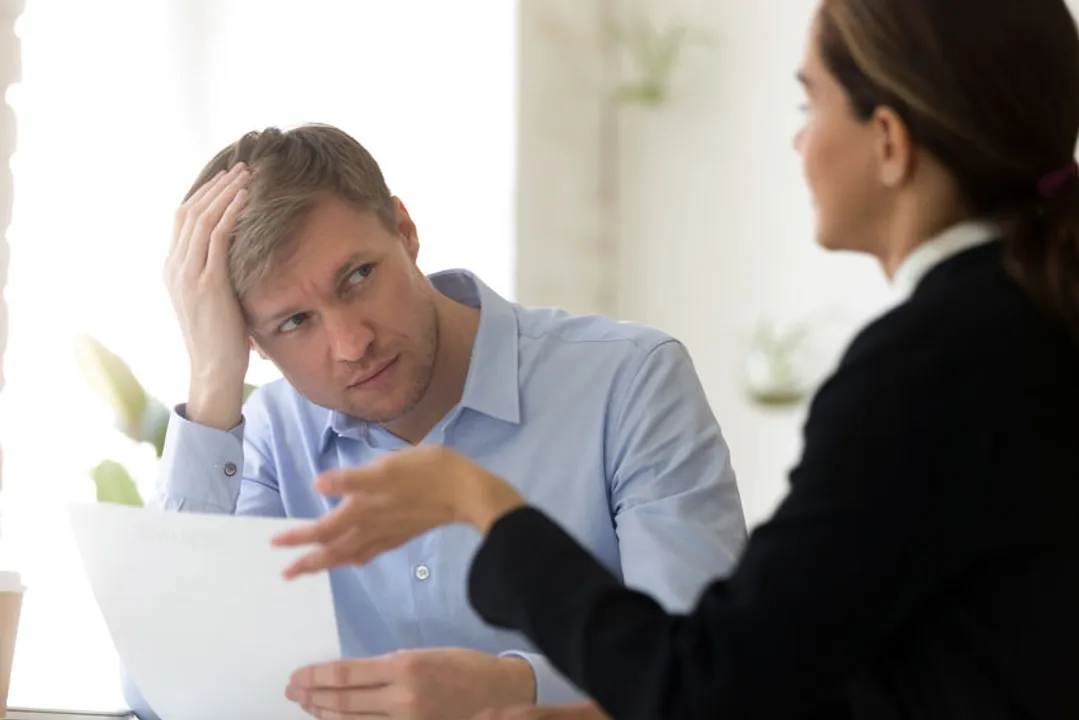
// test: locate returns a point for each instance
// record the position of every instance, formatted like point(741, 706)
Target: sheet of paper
point(201, 617)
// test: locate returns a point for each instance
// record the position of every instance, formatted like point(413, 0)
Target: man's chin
point(375, 416)
point(378, 412)
point(383, 405)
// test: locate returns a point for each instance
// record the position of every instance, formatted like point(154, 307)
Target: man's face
point(346, 314)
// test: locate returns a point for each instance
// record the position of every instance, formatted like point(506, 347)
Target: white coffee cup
point(11, 592)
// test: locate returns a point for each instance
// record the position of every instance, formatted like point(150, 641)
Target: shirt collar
point(933, 252)
point(491, 386)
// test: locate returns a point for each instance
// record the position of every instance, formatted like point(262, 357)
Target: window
point(120, 104)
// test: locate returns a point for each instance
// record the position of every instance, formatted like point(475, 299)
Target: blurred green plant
point(140, 416)
point(654, 53)
point(772, 373)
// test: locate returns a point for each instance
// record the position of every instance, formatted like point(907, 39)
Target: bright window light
point(120, 104)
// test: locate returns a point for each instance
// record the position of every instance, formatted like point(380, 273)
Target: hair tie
point(1054, 182)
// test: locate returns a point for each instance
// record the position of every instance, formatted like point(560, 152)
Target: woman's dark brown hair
point(991, 89)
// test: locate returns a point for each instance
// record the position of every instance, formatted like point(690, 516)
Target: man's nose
point(349, 339)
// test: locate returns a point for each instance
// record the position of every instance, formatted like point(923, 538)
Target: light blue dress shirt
point(604, 425)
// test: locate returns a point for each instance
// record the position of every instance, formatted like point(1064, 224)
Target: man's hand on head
point(197, 278)
point(435, 684)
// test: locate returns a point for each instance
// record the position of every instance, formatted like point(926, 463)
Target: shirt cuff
point(201, 467)
point(552, 688)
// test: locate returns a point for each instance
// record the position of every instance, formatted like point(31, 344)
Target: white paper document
point(198, 610)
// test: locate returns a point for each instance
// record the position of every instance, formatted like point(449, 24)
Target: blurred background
point(630, 157)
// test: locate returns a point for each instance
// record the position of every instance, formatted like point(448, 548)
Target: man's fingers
point(372, 672)
point(217, 260)
point(217, 181)
point(352, 701)
point(207, 219)
point(181, 212)
point(323, 714)
point(184, 212)
point(199, 204)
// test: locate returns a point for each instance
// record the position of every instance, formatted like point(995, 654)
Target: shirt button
point(230, 469)
point(422, 573)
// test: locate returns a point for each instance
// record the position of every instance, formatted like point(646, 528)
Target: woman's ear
point(894, 148)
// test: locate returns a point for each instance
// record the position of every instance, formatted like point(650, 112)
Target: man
point(290, 243)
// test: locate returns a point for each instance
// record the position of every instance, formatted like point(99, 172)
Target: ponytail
point(1043, 253)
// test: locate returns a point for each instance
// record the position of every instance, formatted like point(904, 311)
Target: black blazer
point(924, 565)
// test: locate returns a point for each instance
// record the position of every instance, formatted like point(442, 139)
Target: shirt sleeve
point(203, 469)
point(676, 506)
point(552, 687)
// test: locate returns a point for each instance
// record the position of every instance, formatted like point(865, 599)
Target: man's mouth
point(373, 374)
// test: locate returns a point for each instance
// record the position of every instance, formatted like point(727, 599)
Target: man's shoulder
point(555, 329)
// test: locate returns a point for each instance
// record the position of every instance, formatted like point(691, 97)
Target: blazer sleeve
point(882, 511)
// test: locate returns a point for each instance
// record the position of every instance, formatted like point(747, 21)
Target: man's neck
point(457, 328)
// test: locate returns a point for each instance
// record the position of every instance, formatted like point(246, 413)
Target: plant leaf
point(669, 47)
point(115, 485)
point(114, 381)
point(155, 423)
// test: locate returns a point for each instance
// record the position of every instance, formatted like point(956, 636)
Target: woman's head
point(926, 112)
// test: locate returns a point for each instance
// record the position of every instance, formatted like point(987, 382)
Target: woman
point(926, 561)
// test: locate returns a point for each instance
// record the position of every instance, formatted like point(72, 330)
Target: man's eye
point(358, 275)
point(292, 323)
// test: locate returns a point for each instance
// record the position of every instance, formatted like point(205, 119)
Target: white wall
point(563, 243)
point(714, 225)
point(717, 225)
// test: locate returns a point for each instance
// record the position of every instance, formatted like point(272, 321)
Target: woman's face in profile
point(839, 160)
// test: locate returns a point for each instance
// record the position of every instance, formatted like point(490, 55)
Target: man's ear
point(406, 228)
point(894, 148)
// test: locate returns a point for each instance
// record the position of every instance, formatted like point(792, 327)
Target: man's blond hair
point(290, 171)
